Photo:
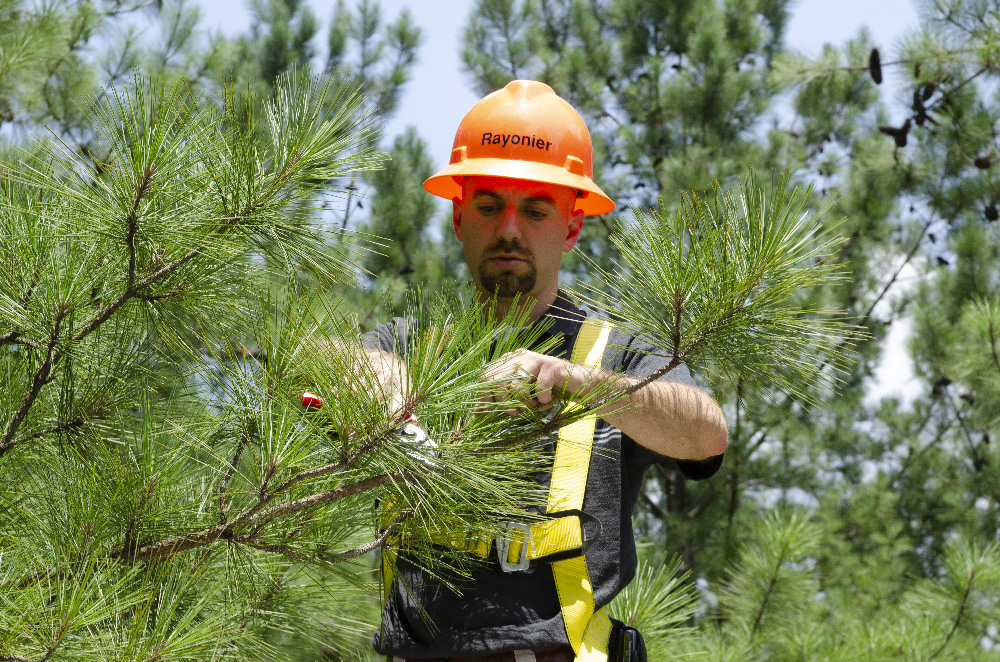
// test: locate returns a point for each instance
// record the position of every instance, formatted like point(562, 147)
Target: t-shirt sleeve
point(636, 359)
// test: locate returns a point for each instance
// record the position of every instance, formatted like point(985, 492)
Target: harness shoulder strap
point(588, 631)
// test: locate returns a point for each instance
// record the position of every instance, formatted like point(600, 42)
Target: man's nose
point(510, 226)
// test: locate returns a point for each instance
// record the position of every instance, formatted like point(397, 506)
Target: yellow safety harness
point(588, 630)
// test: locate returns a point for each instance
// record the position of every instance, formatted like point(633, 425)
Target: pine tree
point(883, 546)
point(165, 495)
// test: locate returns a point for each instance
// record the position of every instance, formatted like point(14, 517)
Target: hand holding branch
point(536, 379)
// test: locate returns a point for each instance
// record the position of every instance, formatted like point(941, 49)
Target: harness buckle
point(503, 546)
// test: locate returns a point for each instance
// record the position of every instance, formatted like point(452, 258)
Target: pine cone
point(940, 385)
point(983, 162)
point(875, 66)
point(901, 136)
point(919, 112)
point(991, 212)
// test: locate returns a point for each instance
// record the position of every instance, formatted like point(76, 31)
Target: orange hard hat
point(524, 131)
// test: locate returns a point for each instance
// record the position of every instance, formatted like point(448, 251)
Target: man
point(520, 180)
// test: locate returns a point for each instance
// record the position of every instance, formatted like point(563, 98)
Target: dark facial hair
point(506, 284)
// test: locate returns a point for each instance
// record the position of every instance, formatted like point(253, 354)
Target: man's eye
point(537, 214)
point(488, 209)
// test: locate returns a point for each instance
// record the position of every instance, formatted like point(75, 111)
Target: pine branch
point(133, 291)
point(658, 512)
point(172, 294)
point(75, 424)
point(712, 494)
point(727, 275)
point(614, 397)
point(360, 550)
point(53, 356)
point(223, 505)
point(254, 516)
point(51, 648)
point(14, 338)
point(993, 344)
point(771, 586)
point(40, 378)
point(325, 469)
point(15, 658)
point(133, 228)
point(863, 322)
point(963, 603)
point(130, 529)
point(908, 460)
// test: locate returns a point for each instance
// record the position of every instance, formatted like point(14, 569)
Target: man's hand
point(533, 378)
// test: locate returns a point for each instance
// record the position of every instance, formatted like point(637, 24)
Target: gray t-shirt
point(499, 611)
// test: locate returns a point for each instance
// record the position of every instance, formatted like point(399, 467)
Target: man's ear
point(456, 217)
point(573, 230)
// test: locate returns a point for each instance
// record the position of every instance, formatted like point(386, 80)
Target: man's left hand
point(535, 379)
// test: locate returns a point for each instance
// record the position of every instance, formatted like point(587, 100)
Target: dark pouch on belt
point(626, 644)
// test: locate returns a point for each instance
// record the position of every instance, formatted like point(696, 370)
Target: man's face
point(514, 233)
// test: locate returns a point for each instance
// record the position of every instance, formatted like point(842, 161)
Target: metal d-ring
point(503, 546)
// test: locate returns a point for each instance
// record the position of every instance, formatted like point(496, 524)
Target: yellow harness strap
point(588, 631)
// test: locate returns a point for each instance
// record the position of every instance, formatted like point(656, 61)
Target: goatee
point(507, 283)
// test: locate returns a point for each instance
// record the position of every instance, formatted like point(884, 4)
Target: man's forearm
point(672, 419)
point(669, 418)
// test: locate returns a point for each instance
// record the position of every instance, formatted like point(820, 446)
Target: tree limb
point(993, 345)
point(771, 585)
point(40, 378)
point(55, 429)
point(325, 558)
point(12, 338)
point(658, 512)
point(253, 516)
point(963, 603)
point(131, 292)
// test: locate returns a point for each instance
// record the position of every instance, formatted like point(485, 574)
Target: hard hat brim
point(447, 183)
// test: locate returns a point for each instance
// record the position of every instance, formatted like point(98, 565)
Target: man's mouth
point(507, 261)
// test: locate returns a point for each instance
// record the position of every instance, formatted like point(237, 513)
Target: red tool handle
point(312, 401)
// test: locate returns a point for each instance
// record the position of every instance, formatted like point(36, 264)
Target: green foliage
point(767, 585)
point(151, 251)
point(658, 603)
point(161, 398)
point(712, 284)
